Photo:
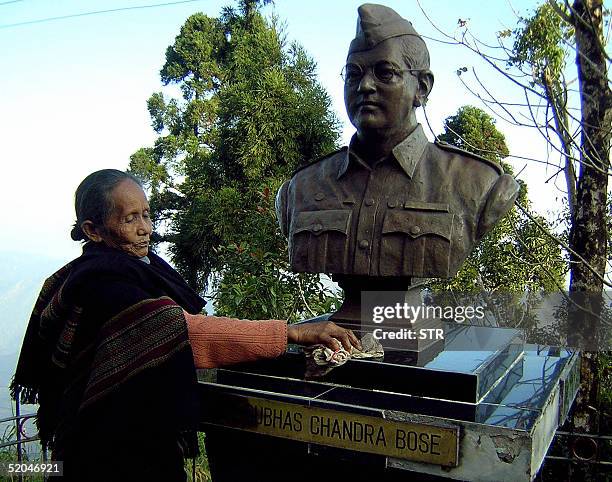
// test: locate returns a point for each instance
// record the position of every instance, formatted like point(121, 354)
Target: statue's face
point(379, 90)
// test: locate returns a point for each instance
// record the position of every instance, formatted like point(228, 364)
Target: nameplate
point(418, 442)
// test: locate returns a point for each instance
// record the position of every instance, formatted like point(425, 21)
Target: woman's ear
point(91, 231)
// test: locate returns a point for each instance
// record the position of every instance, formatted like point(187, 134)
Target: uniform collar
point(408, 153)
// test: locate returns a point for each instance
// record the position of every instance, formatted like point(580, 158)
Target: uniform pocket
point(416, 241)
point(319, 241)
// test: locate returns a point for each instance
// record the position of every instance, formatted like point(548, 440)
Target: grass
point(202, 471)
point(33, 453)
point(9, 455)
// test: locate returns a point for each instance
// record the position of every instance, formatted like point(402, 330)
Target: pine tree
point(251, 111)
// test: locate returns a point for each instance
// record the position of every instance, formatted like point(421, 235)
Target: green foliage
point(605, 380)
point(474, 130)
point(539, 43)
point(251, 111)
point(515, 256)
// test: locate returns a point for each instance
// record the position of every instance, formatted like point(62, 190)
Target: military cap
point(377, 23)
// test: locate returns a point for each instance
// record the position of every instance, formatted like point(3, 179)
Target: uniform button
point(317, 227)
point(391, 204)
point(364, 244)
point(369, 202)
point(415, 229)
point(319, 196)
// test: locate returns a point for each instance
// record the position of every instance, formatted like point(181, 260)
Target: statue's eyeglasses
point(383, 71)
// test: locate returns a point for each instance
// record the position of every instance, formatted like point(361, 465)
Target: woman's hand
point(323, 332)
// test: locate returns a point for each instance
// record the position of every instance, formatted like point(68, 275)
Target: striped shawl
point(106, 348)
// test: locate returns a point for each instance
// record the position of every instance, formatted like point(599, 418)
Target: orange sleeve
point(217, 341)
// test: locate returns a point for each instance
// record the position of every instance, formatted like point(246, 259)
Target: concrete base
point(276, 418)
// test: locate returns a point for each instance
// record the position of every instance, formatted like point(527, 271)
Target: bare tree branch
point(564, 245)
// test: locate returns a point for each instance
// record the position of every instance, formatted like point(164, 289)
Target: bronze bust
point(391, 205)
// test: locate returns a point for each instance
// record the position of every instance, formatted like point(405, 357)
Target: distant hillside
point(7, 368)
point(21, 278)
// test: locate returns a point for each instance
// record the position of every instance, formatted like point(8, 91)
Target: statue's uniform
point(417, 213)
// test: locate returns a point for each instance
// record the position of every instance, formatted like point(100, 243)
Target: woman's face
point(128, 227)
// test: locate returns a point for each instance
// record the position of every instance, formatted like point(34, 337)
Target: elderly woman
point(114, 339)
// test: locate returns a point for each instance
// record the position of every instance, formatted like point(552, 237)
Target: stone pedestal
point(484, 406)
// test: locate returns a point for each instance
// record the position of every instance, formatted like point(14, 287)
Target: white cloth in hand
point(320, 359)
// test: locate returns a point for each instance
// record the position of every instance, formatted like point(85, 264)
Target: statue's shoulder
point(445, 146)
point(332, 156)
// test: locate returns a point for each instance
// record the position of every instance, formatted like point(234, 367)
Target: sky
point(73, 92)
